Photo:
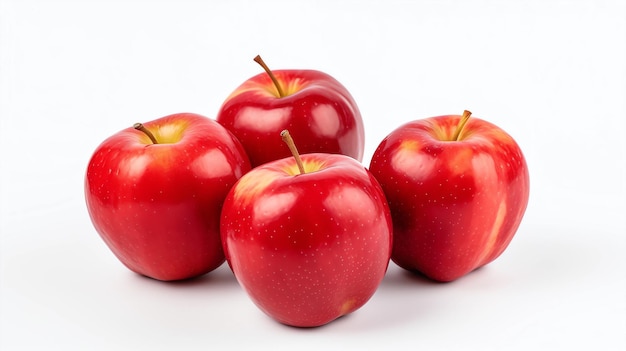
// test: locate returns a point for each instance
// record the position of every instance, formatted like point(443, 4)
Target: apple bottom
point(310, 290)
point(447, 239)
point(187, 246)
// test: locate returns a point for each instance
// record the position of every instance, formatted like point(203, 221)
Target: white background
point(551, 73)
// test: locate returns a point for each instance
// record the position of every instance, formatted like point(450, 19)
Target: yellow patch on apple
point(309, 167)
point(248, 187)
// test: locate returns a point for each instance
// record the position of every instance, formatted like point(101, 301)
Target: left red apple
point(154, 193)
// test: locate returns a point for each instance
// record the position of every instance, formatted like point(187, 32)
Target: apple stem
point(260, 61)
point(462, 122)
point(142, 128)
point(292, 147)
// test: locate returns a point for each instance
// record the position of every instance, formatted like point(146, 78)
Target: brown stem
point(140, 127)
point(459, 127)
point(260, 61)
point(292, 147)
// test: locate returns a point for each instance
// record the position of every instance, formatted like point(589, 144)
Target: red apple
point(457, 189)
point(318, 111)
point(308, 247)
point(157, 203)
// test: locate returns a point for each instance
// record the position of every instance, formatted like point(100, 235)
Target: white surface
point(551, 73)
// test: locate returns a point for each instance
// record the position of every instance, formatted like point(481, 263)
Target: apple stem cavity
point(292, 147)
point(260, 61)
point(459, 127)
point(142, 128)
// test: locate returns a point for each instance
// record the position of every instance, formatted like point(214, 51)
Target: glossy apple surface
point(455, 204)
point(308, 248)
point(318, 111)
point(157, 206)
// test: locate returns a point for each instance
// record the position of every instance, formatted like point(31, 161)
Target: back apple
point(318, 111)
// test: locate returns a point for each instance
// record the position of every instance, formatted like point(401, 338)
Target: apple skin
point(157, 206)
point(456, 205)
point(318, 111)
point(308, 248)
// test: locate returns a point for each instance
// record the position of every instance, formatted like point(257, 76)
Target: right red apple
point(457, 188)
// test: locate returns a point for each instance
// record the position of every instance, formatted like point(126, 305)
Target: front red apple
point(156, 203)
point(318, 111)
point(457, 188)
point(308, 248)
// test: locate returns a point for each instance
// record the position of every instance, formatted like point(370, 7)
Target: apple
point(457, 189)
point(318, 111)
point(308, 238)
point(154, 193)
